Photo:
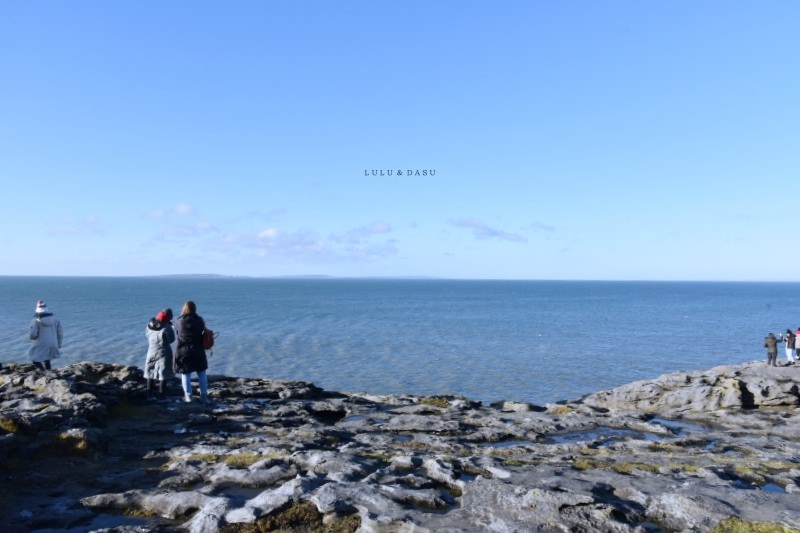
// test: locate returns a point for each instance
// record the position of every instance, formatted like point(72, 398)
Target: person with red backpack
point(190, 355)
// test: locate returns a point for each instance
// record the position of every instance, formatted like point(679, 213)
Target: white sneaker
point(187, 399)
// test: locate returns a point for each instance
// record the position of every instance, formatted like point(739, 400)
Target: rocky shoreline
point(83, 450)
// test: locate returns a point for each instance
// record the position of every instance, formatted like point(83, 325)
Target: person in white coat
point(47, 336)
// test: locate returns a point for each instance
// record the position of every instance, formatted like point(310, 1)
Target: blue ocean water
point(537, 341)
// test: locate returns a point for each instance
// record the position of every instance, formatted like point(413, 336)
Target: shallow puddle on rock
point(608, 436)
point(107, 521)
point(506, 443)
point(677, 428)
point(258, 403)
point(772, 487)
point(767, 487)
point(238, 494)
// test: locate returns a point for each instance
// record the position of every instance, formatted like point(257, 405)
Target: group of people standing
point(189, 357)
point(791, 342)
point(160, 363)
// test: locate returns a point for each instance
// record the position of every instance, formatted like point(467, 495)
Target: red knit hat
point(161, 316)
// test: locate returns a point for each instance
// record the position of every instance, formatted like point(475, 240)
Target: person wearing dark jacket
point(158, 363)
point(771, 344)
point(789, 341)
point(189, 354)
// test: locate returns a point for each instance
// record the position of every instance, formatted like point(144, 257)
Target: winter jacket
point(158, 363)
point(46, 334)
point(771, 343)
point(190, 355)
point(789, 339)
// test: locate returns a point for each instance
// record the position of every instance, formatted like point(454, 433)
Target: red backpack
point(208, 339)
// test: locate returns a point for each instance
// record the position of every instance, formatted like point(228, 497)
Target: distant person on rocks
point(789, 340)
point(797, 344)
point(158, 363)
point(771, 344)
point(47, 336)
point(189, 354)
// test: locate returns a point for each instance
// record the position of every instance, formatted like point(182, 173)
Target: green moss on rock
point(737, 525)
point(436, 401)
point(242, 460)
point(296, 518)
point(9, 425)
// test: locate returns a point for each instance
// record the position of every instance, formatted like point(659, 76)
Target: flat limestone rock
point(83, 450)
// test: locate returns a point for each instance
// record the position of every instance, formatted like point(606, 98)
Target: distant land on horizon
point(411, 278)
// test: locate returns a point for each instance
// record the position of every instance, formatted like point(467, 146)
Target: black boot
point(149, 389)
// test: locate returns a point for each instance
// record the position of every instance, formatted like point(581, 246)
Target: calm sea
point(537, 341)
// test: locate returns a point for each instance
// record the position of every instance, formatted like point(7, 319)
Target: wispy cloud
point(363, 233)
point(361, 244)
point(183, 209)
point(481, 230)
point(193, 229)
point(179, 222)
point(77, 226)
point(541, 226)
point(154, 214)
point(272, 214)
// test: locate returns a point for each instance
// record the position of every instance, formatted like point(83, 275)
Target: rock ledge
point(82, 450)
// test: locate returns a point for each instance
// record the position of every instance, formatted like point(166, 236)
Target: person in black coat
point(189, 354)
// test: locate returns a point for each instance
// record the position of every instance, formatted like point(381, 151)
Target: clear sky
point(569, 140)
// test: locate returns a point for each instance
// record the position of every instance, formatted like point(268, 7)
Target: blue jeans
point(186, 381)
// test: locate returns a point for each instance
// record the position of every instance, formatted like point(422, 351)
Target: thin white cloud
point(70, 226)
point(271, 241)
point(270, 215)
point(481, 230)
point(195, 229)
point(301, 244)
point(183, 209)
point(363, 233)
point(358, 244)
point(155, 214)
point(541, 226)
point(179, 222)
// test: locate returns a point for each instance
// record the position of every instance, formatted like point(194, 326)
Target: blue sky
point(569, 140)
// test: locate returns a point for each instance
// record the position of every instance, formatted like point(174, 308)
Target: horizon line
point(389, 277)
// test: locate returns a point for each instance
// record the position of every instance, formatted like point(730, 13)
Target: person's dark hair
point(188, 308)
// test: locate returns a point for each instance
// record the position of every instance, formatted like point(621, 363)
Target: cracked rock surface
point(83, 450)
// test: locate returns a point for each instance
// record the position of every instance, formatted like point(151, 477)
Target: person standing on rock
point(797, 344)
point(158, 363)
point(771, 344)
point(789, 340)
point(189, 354)
point(47, 336)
